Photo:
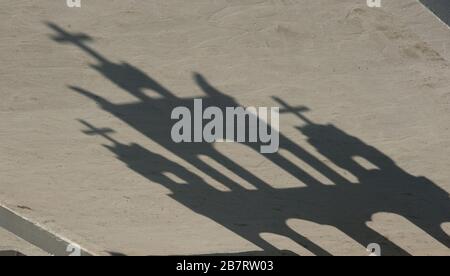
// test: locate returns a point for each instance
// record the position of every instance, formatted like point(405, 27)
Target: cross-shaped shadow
point(248, 213)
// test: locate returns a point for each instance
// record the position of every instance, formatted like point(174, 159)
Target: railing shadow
point(249, 213)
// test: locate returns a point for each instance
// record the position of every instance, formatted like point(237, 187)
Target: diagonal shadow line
point(441, 8)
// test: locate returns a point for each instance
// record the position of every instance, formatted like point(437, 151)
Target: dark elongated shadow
point(11, 253)
point(249, 213)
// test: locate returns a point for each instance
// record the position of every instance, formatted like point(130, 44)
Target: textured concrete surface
point(369, 165)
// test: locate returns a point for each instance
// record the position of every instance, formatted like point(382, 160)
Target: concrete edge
point(39, 235)
point(429, 9)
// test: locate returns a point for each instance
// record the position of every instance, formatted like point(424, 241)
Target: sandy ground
point(371, 165)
